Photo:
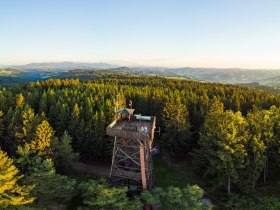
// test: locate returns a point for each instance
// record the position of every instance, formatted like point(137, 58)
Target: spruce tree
point(20, 100)
point(11, 193)
point(13, 119)
point(62, 153)
point(223, 144)
point(261, 133)
point(26, 130)
point(186, 198)
point(177, 127)
point(43, 137)
point(2, 128)
point(98, 195)
point(274, 145)
point(74, 123)
point(50, 187)
point(43, 104)
point(63, 119)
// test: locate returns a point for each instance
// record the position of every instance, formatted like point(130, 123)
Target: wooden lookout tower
point(133, 139)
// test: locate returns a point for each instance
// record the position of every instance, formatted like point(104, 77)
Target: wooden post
point(143, 170)
point(113, 157)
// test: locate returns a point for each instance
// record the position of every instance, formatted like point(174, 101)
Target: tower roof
point(125, 111)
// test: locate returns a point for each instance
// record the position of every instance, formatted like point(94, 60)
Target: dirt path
point(93, 169)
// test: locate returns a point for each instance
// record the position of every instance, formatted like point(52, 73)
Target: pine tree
point(49, 186)
point(2, 128)
point(175, 116)
point(11, 193)
point(177, 127)
point(13, 119)
point(51, 98)
point(26, 130)
point(63, 154)
point(98, 195)
point(43, 137)
point(186, 198)
point(274, 144)
point(120, 99)
point(54, 112)
point(62, 120)
point(223, 143)
point(26, 158)
point(74, 123)
point(109, 110)
point(20, 100)
point(43, 104)
point(81, 136)
point(261, 133)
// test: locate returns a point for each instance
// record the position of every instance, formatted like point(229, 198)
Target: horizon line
point(131, 65)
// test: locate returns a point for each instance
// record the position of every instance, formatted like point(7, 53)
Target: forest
point(229, 134)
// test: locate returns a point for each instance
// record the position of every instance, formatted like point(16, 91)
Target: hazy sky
point(197, 33)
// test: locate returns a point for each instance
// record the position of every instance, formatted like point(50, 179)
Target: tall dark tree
point(20, 100)
point(261, 133)
point(41, 143)
point(223, 143)
point(2, 128)
point(62, 153)
point(11, 192)
point(50, 188)
point(177, 127)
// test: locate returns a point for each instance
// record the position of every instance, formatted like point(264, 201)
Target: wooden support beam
point(113, 158)
point(143, 169)
point(130, 157)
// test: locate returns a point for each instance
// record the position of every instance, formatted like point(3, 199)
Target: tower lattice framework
point(132, 161)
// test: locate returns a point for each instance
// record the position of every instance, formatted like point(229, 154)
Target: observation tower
point(131, 161)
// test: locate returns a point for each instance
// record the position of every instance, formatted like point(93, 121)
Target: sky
point(171, 33)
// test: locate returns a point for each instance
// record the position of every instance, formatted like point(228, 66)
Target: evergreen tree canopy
point(62, 153)
point(20, 100)
point(177, 127)
point(43, 137)
point(98, 195)
point(49, 186)
point(2, 128)
point(11, 192)
point(223, 143)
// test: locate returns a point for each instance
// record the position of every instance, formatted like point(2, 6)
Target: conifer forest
point(228, 135)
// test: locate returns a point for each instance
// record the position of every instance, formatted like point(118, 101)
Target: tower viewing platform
point(131, 160)
point(136, 127)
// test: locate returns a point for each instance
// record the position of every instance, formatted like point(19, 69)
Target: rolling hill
point(260, 78)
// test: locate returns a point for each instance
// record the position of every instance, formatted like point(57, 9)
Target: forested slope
point(231, 132)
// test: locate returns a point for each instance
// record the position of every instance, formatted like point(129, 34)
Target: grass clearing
point(166, 175)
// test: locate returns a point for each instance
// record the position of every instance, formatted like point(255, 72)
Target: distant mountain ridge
point(62, 66)
point(231, 75)
point(223, 75)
